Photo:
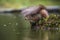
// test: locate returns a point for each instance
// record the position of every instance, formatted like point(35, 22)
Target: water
point(16, 28)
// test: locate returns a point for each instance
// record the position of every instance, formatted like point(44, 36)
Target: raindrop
point(9, 23)
point(4, 25)
point(56, 23)
point(16, 24)
point(57, 28)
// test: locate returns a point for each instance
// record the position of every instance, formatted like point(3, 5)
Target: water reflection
point(43, 35)
point(54, 35)
point(19, 29)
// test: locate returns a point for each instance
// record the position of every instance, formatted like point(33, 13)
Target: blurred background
point(24, 3)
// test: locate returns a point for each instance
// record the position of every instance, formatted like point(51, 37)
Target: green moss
point(53, 21)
